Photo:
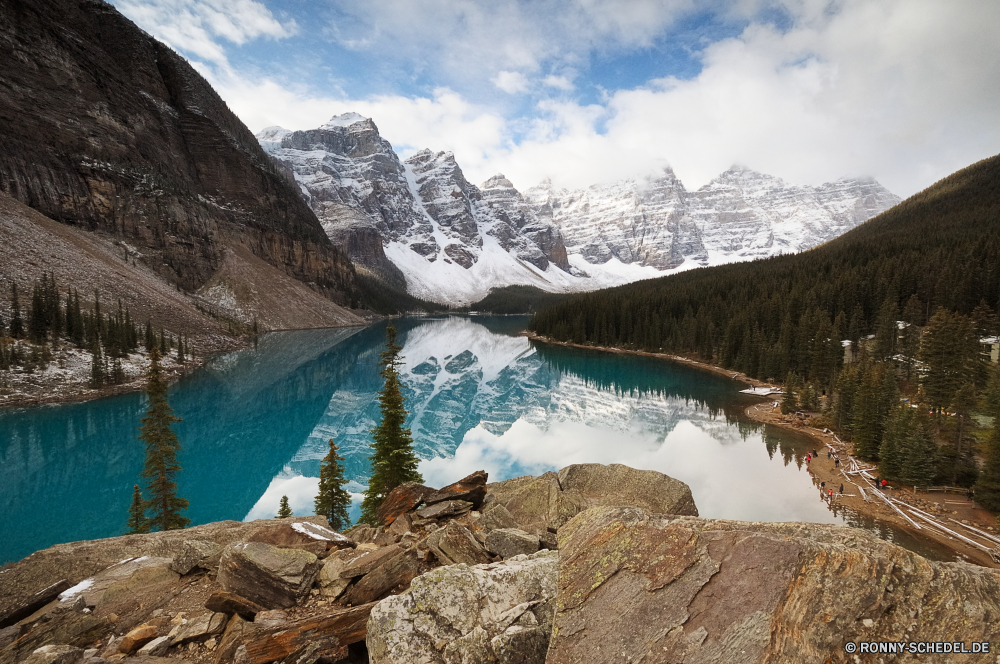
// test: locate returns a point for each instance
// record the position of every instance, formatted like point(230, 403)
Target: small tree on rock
point(284, 511)
point(333, 500)
point(137, 522)
point(393, 461)
point(162, 447)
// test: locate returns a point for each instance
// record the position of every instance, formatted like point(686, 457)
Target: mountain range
point(420, 224)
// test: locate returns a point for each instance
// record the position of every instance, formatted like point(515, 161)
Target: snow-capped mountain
point(422, 224)
point(740, 215)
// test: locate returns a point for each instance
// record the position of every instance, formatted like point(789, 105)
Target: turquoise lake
point(256, 424)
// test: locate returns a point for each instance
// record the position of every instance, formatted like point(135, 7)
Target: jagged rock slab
point(443, 509)
point(61, 626)
point(510, 542)
point(229, 603)
point(395, 573)
point(470, 489)
point(331, 583)
point(501, 612)
point(195, 551)
point(404, 498)
point(330, 631)
point(634, 586)
point(231, 639)
point(495, 515)
point(266, 574)
point(456, 544)
point(368, 561)
point(199, 627)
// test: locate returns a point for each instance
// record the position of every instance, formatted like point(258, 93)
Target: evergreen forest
point(895, 309)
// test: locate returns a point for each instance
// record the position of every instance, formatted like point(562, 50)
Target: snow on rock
point(318, 532)
point(70, 594)
point(453, 242)
point(343, 120)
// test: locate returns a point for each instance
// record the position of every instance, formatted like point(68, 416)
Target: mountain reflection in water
point(256, 424)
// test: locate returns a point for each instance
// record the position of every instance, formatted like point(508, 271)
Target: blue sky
point(588, 91)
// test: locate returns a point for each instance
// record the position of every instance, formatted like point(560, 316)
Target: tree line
point(109, 336)
point(911, 291)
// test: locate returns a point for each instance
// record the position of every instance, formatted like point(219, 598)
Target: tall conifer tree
point(393, 461)
point(16, 322)
point(333, 500)
point(137, 513)
point(987, 487)
point(162, 447)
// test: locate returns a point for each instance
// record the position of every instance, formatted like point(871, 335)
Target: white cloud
point(469, 39)
point(560, 82)
point(511, 82)
point(195, 26)
point(903, 90)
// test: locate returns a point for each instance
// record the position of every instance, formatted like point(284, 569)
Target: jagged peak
point(498, 180)
point(345, 120)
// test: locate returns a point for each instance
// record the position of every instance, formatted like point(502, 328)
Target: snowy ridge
point(453, 242)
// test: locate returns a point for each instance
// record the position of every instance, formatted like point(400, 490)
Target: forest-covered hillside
point(913, 290)
point(939, 248)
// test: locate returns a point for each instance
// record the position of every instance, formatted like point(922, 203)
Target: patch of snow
point(344, 120)
point(317, 532)
point(71, 593)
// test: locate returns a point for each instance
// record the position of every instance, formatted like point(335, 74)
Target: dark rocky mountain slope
point(107, 129)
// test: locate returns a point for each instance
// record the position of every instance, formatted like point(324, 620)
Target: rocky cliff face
point(108, 129)
point(453, 241)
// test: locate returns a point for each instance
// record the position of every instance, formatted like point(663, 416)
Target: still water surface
point(255, 426)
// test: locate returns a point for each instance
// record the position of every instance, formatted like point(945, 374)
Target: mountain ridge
point(557, 240)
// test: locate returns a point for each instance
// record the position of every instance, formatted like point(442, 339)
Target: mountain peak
point(345, 120)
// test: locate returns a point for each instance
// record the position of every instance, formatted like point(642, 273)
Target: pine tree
point(920, 451)
point(117, 372)
point(333, 500)
point(97, 373)
point(393, 461)
point(162, 447)
point(163, 343)
point(150, 337)
point(897, 428)
point(284, 511)
point(790, 402)
point(987, 487)
point(180, 349)
point(16, 322)
point(137, 513)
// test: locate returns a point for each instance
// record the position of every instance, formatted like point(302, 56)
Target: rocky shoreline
point(824, 471)
point(594, 563)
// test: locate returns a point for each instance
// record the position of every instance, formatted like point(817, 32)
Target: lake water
point(256, 424)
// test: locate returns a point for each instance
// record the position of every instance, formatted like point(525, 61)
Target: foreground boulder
point(634, 586)
point(500, 612)
point(544, 503)
point(268, 575)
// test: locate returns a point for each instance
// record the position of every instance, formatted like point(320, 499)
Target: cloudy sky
point(588, 91)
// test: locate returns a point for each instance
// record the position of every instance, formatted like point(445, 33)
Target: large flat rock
point(635, 586)
point(548, 501)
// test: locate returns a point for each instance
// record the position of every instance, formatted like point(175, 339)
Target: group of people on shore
point(828, 494)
